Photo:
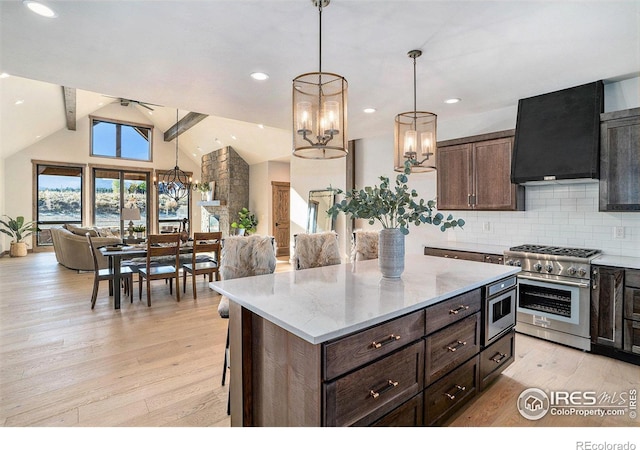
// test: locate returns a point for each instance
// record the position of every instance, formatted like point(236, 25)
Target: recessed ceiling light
point(451, 101)
point(233, 137)
point(260, 76)
point(40, 8)
point(261, 126)
point(4, 75)
point(19, 102)
point(369, 110)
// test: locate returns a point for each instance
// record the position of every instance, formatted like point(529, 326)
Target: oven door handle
point(566, 283)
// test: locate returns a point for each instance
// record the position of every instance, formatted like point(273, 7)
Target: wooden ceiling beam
point(69, 95)
point(183, 125)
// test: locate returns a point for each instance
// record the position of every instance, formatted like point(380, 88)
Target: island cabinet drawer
point(449, 347)
point(495, 358)
point(449, 311)
point(631, 303)
point(348, 353)
point(449, 394)
point(409, 414)
point(632, 278)
point(364, 396)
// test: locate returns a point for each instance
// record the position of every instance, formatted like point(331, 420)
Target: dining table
point(118, 253)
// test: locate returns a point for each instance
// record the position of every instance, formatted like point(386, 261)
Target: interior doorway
point(280, 192)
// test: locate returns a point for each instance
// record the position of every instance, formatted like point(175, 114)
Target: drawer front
point(632, 303)
point(631, 338)
point(353, 351)
point(449, 311)
point(450, 393)
point(409, 414)
point(632, 278)
point(495, 358)
point(447, 348)
point(494, 259)
point(454, 254)
point(366, 395)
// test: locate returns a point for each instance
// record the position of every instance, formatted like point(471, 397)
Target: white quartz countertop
point(469, 247)
point(627, 262)
point(325, 303)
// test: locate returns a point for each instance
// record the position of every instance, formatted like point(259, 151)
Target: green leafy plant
point(17, 228)
point(204, 187)
point(139, 228)
point(393, 206)
point(246, 220)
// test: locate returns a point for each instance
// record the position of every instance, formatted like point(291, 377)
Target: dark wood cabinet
point(497, 357)
point(475, 173)
point(620, 160)
point(631, 324)
point(606, 307)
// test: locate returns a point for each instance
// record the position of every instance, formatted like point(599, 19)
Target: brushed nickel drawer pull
point(390, 385)
point(458, 388)
point(456, 346)
point(498, 357)
point(390, 339)
point(458, 309)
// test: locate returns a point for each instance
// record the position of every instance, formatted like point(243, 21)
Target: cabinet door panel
point(620, 163)
point(454, 177)
point(492, 176)
point(606, 308)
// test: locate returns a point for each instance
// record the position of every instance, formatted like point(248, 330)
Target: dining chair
point(364, 245)
point(243, 256)
point(315, 250)
point(203, 243)
point(107, 274)
point(161, 245)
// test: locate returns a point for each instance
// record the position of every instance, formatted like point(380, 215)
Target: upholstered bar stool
point(364, 245)
point(315, 250)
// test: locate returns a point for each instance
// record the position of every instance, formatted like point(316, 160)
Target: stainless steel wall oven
point(500, 309)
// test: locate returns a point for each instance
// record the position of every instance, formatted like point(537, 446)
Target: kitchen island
point(308, 347)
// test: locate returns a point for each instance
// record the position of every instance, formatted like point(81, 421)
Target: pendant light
point(415, 134)
point(175, 183)
point(320, 110)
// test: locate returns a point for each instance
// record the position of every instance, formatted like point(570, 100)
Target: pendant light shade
point(415, 134)
point(320, 110)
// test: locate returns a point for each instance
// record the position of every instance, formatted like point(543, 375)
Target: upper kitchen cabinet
point(620, 160)
point(475, 173)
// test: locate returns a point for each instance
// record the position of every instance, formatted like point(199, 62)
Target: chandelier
point(175, 183)
point(415, 134)
point(320, 109)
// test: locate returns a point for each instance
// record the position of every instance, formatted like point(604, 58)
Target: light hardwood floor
point(63, 364)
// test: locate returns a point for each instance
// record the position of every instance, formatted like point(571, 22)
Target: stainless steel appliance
point(554, 292)
point(500, 309)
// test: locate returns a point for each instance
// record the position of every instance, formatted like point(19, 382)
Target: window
point(111, 139)
point(110, 198)
point(171, 214)
point(59, 198)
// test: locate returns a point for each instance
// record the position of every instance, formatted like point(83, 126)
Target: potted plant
point(139, 230)
point(395, 208)
point(205, 190)
point(246, 223)
point(18, 230)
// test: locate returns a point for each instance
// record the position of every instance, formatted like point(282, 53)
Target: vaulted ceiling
point(197, 56)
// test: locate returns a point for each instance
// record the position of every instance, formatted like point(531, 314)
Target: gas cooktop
point(557, 251)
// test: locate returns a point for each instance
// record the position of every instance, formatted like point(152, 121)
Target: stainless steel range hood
point(557, 136)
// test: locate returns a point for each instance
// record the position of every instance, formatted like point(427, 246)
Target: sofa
point(71, 247)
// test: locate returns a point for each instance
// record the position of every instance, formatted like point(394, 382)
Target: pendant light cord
point(415, 105)
point(177, 138)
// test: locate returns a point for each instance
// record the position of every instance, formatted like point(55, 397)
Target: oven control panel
point(566, 268)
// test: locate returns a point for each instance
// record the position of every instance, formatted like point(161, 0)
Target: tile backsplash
point(556, 214)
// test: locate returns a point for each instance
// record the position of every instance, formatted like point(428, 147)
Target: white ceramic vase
point(391, 252)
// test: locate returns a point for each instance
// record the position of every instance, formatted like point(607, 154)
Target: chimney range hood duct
point(558, 136)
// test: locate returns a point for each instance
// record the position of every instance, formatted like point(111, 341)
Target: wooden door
point(454, 177)
point(280, 216)
point(492, 175)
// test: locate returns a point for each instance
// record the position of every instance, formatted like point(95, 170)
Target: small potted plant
point(18, 229)
point(139, 230)
point(246, 223)
point(205, 191)
point(395, 208)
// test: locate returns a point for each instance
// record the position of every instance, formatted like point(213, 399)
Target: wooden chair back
point(206, 243)
point(163, 245)
point(92, 250)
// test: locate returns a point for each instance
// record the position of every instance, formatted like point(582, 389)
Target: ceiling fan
point(128, 101)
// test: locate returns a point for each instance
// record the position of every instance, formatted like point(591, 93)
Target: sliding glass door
point(115, 190)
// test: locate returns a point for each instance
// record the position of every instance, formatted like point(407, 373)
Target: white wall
point(564, 215)
point(73, 147)
point(260, 199)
